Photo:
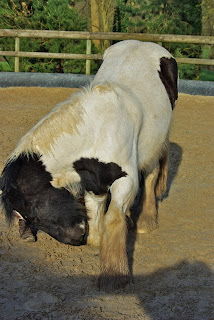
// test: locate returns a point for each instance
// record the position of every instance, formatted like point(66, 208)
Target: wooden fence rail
point(89, 36)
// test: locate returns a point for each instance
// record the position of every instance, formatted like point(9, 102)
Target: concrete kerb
point(28, 79)
point(196, 87)
point(36, 79)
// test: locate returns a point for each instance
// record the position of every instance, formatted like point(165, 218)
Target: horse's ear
point(18, 215)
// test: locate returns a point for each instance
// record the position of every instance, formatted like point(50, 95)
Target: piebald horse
point(95, 144)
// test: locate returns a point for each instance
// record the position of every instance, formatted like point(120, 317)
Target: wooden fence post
point(17, 48)
point(88, 62)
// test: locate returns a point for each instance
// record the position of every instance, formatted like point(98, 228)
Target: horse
point(95, 144)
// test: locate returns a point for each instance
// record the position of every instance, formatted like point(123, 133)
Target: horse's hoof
point(147, 224)
point(113, 282)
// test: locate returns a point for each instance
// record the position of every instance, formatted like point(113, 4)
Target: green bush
point(44, 15)
point(206, 75)
point(164, 17)
point(4, 66)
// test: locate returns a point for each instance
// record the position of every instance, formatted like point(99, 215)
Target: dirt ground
point(173, 267)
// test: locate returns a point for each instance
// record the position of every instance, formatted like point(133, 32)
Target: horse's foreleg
point(113, 256)
point(96, 206)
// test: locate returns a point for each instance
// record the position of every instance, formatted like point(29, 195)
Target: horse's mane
point(64, 118)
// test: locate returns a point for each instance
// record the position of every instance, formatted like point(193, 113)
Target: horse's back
point(131, 60)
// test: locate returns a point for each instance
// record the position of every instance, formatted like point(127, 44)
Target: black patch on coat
point(21, 181)
point(169, 76)
point(26, 188)
point(97, 176)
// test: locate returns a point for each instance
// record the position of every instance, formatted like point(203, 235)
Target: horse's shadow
point(182, 291)
point(175, 158)
point(179, 292)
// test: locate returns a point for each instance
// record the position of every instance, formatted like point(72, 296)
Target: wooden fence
point(89, 36)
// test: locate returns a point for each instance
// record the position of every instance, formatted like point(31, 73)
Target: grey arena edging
point(35, 79)
point(196, 87)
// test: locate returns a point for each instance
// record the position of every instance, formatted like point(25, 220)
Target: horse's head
point(57, 213)
point(26, 188)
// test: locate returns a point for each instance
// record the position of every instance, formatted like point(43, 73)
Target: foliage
point(206, 75)
point(148, 16)
point(4, 66)
point(164, 16)
point(44, 15)
point(159, 16)
point(187, 71)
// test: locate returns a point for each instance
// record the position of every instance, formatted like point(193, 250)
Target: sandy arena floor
point(173, 266)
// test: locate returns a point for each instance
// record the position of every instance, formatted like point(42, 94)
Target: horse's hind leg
point(161, 185)
point(155, 185)
point(148, 216)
